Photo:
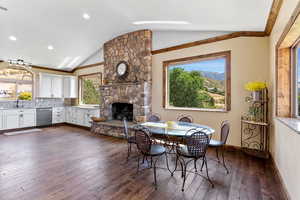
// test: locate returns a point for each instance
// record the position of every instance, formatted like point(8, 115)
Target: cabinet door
point(80, 117)
point(27, 119)
point(57, 86)
point(1, 120)
point(45, 86)
point(11, 120)
point(70, 87)
point(91, 113)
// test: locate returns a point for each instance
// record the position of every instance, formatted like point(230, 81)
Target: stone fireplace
point(135, 89)
point(135, 49)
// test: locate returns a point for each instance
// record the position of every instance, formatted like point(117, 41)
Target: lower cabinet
point(18, 118)
point(81, 116)
point(27, 118)
point(1, 120)
point(58, 115)
point(22, 118)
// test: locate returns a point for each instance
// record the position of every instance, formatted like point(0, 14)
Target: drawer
point(11, 112)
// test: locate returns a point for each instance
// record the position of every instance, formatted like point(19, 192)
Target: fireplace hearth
point(121, 110)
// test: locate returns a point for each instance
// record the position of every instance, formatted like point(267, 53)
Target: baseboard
point(276, 170)
point(16, 129)
point(46, 126)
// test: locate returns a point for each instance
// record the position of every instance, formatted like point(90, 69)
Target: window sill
point(292, 123)
point(196, 109)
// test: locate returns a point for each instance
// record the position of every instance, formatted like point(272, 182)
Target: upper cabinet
point(70, 87)
point(50, 86)
point(57, 86)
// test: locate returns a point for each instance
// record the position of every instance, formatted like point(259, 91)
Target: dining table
point(173, 133)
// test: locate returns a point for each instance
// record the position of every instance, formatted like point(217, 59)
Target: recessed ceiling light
point(12, 38)
point(86, 16)
point(160, 22)
point(50, 47)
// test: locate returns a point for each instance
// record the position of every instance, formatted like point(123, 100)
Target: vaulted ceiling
point(36, 24)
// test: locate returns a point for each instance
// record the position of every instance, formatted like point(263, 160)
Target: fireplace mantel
point(121, 84)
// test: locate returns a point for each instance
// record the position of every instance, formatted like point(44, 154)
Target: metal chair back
point(197, 143)
point(125, 128)
point(225, 129)
point(143, 140)
point(154, 118)
point(185, 118)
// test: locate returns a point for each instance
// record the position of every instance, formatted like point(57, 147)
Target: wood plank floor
point(70, 163)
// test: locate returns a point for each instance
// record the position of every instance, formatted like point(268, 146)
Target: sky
point(216, 65)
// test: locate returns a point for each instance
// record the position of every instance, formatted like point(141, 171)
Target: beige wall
point(284, 142)
point(249, 62)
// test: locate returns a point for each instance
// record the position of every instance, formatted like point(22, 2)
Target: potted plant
point(255, 88)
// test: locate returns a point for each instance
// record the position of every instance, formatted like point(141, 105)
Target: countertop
point(81, 107)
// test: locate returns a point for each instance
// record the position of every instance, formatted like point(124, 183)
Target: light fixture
point(86, 16)
point(50, 47)
point(161, 22)
point(19, 63)
point(12, 38)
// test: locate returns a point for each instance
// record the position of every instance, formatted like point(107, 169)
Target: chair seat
point(131, 139)
point(215, 143)
point(182, 150)
point(157, 149)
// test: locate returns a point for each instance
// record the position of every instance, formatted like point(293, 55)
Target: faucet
point(17, 105)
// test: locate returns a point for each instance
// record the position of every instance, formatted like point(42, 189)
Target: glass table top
point(179, 129)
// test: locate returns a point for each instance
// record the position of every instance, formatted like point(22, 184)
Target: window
point(90, 88)
point(198, 83)
point(297, 80)
point(15, 83)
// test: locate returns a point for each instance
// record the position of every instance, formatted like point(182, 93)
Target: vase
point(256, 95)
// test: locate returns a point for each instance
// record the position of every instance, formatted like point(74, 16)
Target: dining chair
point(185, 118)
point(194, 149)
point(130, 139)
point(154, 118)
point(219, 144)
point(147, 149)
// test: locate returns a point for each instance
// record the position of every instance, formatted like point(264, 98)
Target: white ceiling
point(39, 23)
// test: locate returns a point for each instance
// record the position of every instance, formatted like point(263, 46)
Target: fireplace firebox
point(121, 110)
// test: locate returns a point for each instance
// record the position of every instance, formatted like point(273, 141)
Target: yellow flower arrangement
point(25, 96)
point(255, 86)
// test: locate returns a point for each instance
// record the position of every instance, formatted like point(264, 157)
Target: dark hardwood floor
point(70, 163)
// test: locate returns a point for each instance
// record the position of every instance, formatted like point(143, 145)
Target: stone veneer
point(134, 48)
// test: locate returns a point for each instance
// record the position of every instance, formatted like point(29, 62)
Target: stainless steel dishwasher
point(43, 116)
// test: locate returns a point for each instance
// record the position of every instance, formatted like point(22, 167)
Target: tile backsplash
point(37, 103)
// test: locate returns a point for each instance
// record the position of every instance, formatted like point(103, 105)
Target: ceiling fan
point(3, 8)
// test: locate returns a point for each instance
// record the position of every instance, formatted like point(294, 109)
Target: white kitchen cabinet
point(1, 119)
point(58, 115)
point(45, 85)
point(27, 118)
point(11, 119)
point(81, 116)
point(50, 86)
point(19, 118)
point(57, 86)
point(89, 114)
point(70, 87)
